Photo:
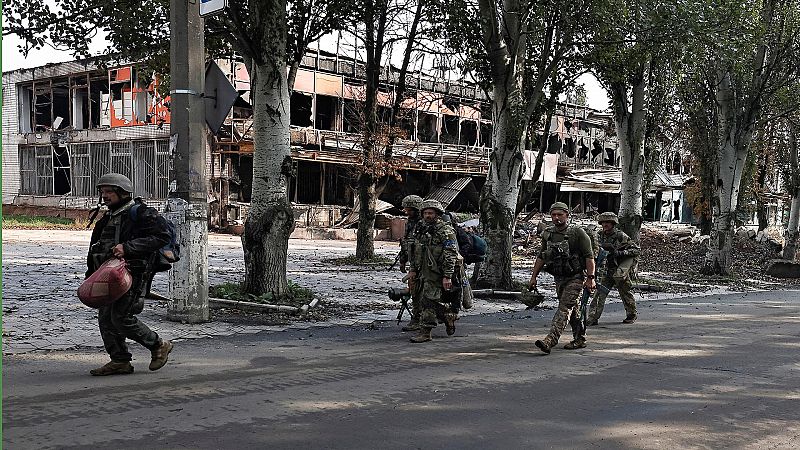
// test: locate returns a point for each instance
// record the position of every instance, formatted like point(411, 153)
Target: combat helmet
point(116, 180)
point(412, 201)
point(608, 217)
point(560, 205)
point(432, 204)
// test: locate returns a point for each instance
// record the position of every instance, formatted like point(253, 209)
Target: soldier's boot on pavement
point(630, 319)
point(590, 322)
point(450, 323)
point(544, 345)
point(160, 355)
point(424, 335)
point(412, 326)
point(579, 342)
point(113, 368)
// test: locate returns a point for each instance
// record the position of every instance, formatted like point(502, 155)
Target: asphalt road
point(708, 372)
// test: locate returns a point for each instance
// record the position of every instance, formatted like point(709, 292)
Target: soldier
point(432, 270)
point(119, 235)
point(622, 254)
point(411, 205)
point(567, 255)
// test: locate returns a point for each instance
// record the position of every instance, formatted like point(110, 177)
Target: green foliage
point(41, 223)
point(295, 295)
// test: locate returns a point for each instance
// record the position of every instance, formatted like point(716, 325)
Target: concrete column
point(187, 206)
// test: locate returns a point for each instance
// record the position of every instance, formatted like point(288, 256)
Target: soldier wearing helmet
point(433, 269)
point(620, 262)
point(411, 205)
point(133, 234)
point(567, 255)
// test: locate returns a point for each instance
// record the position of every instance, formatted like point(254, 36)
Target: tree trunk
point(793, 229)
point(270, 219)
point(499, 195)
point(630, 127)
point(365, 245)
point(730, 161)
point(526, 194)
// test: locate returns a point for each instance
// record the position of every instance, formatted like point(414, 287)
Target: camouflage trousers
point(416, 301)
point(624, 286)
point(118, 322)
point(435, 304)
point(569, 293)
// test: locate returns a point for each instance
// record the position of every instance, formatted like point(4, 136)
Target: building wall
point(10, 157)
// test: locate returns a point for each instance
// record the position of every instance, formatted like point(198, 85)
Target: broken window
point(351, 121)
point(449, 133)
point(427, 128)
point(61, 107)
point(469, 133)
point(300, 112)
point(99, 108)
point(25, 103)
point(61, 170)
point(327, 113)
point(42, 106)
point(79, 88)
point(486, 134)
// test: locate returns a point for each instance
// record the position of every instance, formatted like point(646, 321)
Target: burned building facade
point(66, 124)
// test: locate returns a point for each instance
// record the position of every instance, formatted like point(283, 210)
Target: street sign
point(209, 7)
point(219, 96)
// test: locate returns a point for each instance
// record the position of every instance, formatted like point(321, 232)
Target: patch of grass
point(41, 223)
point(296, 295)
point(351, 260)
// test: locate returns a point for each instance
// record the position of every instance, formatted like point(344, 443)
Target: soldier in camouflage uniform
point(566, 254)
point(432, 270)
point(411, 205)
point(622, 254)
point(118, 235)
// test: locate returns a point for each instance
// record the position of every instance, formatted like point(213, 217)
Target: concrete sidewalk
point(709, 372)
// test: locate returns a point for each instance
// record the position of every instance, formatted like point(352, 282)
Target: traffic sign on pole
point(209, 7)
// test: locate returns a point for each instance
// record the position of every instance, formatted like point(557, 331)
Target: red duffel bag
point(106, 285)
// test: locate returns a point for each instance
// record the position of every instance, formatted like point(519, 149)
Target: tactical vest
point(101, 250)
point(560, 260)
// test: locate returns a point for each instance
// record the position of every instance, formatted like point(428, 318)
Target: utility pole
point(187, 206)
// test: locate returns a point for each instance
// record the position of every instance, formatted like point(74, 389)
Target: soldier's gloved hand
point(119, 251)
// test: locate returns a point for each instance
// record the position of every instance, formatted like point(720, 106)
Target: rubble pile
point(679, 253)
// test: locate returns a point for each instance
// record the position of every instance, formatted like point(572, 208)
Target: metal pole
point(187, 206)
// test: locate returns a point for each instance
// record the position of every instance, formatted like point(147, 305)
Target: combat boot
point(160, 355)
point(543, 346)
point(424, 335)
point(630, 319)
point(580, 342)
point(412, 326)
point(591, 322)
point(450, 323)
point(113, 368)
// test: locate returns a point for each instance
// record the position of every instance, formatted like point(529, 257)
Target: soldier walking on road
point(566, 254)
point(136, 239)
point(432, 270)
point(622, 254)
point(411, 206)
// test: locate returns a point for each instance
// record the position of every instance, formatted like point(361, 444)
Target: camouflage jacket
point(435, 251)
point(621, 248)
point(409, 240)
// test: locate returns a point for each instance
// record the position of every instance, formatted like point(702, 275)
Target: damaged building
point(66, 124)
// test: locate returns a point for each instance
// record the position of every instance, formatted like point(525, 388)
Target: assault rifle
point(396, 258)
point(598, 262)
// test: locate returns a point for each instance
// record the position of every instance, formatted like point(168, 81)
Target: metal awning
point(579, 186)
point(448, 192)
